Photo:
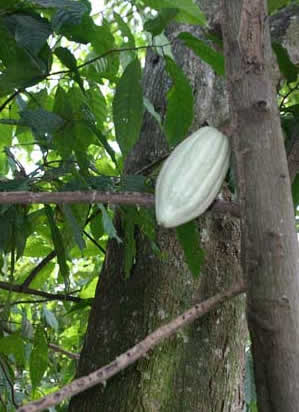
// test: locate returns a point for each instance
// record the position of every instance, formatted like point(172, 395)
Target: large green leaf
point(287, 68)
point(189, 11)
point(77, 230)
point(205, 52)
point(97, 103)
point(30, 31)
point(13, 345)
point(128, 107)
point(179, 112)
point(58, 245)
point(158, 24)
point(38, 358)
point(42, 122)
point(69, 16)
point(66, 57)
point(108, 224)
point(277, 4)
point(13, 57)
point(189, 239)
point(125, 30)
point(76, 133)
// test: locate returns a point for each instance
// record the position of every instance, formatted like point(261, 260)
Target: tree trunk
point(200, 369)
point(270, 256)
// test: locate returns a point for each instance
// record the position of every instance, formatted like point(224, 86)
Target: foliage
point(71, 109)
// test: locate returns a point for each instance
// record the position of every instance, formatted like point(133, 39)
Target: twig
point(123, 361)
point(94, 242)
point(10, 383)
point(71, 355)
point(38, 268)
point(24, 302)
point(9, 99)
point(29, 291)
point(111, 51)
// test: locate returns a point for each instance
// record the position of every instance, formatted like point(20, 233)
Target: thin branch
point(71, 355)
point(29, 291)
point(132, 355)
point(38, 268)
point(111, 51)
point(9, 99)
point(10, 383)
point(24, 302)
point(94, 242)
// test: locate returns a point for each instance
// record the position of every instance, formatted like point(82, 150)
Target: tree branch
point(71, 355)
point(9, 99)
point(132, 355)
point(29, 291)
point(125, 198)
point(38, 268)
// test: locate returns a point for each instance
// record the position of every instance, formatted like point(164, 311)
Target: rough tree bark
point(270, 256)
point(201, 368)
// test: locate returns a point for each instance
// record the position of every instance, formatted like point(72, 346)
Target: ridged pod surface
point(191, 177)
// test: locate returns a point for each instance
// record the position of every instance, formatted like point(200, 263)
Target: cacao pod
point(191, 177)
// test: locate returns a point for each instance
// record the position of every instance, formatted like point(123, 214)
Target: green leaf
point(295, 192)
point(75, 133)
point(108, 224)
point(30, 31)
point(133, 183)
point(128, 107)
point(13, 345)
point(50, 318)
point(125, 30)
point(96, 227)
point(66, 57)
point(58, 245)
point(158, 24)
point(205, 52)
point(97, 103)
point(146, 221)
point(277, 4)
point(150, 108)
point(128, 223)
point(77, 230)
point(89, 290)
point(39, 358)
point(90, 121)
point(189, 239)
point(189, 11)
point(249, 382)
point(287, 68)
point(179, 112)
point(68, 16)
point(42, 122)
